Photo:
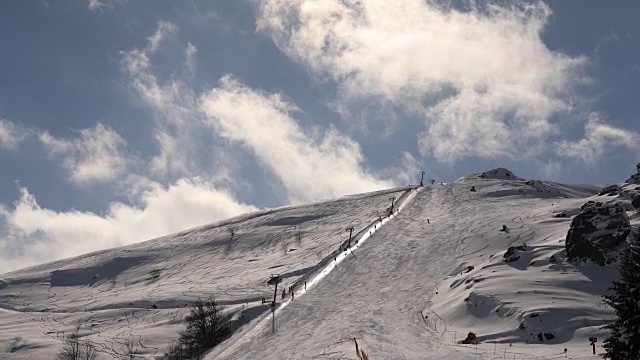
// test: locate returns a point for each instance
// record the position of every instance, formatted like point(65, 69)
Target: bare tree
point(73, 349)
point(205, 329)
point(129, 351)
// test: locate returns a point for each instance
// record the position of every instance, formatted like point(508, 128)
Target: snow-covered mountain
point(417, 278)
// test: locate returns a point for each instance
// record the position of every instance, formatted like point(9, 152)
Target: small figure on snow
point(504, 228)
point(284, 293)
point(473, 189)
point(305, 285)
point(292, 295)
point(428, 222)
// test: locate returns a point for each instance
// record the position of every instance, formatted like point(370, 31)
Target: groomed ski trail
point(230, 345)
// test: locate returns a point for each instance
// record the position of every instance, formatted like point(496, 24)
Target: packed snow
point(445, 261)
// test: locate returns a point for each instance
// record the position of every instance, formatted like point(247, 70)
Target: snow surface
point(378, 292)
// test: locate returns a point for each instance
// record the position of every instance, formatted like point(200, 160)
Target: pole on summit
point(421, 177)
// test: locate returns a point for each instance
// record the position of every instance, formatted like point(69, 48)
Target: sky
point(121, 121)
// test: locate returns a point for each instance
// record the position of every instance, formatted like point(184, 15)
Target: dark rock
point(500, 174)
point(561, 214)
point(549, 336)
point(470, 339)
point(511, 255)
point(596, 230)
point(552, 259)
point(635, 202)
point(611, 190)
point(635, 178)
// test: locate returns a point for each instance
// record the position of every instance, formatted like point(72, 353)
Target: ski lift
point(274, 279)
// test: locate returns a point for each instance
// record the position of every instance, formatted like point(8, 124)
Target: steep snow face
point(635, 178)
point(596, 231)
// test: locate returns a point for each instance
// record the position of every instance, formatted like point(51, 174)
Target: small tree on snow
point(205, 329)
point(624, 340)
point(73, 349)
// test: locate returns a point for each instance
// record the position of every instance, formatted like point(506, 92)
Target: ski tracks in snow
point(232, 344)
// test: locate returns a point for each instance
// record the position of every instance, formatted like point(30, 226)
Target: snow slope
point(401, 292)
point(112, 296)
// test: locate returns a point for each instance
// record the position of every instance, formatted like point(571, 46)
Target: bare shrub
point(73, 349)
point(205, 329)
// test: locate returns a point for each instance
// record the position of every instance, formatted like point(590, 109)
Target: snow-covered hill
point(413, 287)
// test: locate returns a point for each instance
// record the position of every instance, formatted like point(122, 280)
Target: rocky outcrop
point(635, 178)
point(500, 174)
point(596, 231)
point(513, 253)
point(611, 190)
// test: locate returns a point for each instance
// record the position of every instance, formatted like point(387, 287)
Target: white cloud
point(311, 163)
point(482, 79)
point(97, 156)
point(173, 103)
point(100, 5)
point(11, 135)
point(163, 29)
point(599, 138)
point(190, 53)
point(95, 4)
point(34, 234)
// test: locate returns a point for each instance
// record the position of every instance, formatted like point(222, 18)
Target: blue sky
point(121, 121)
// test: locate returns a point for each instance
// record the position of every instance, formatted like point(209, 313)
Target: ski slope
point(112, 296)
point(379, 293)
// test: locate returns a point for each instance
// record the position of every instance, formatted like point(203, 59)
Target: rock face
point(635, 178)
point(499, 173)
point(513, 253)
point(611, 190)
point(596, 231)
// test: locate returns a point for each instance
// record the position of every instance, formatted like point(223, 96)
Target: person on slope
point(284, 293)
point(292, 295)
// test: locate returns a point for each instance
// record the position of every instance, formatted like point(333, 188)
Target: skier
point(284, 293)
point(428, 222)
point(292, 295)
point(305, 285)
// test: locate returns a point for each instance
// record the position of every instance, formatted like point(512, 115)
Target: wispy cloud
point(311, 163)
point(11, 134)
point(173, 103)
point(599, 139)
point(98, 155)
point(482, 79)
point(100, 5)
